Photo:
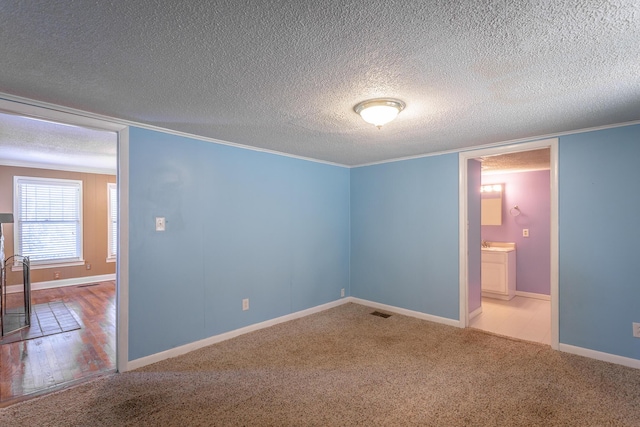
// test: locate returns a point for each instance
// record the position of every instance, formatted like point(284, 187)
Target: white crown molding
point(26, 106)
point(510, 145)
point(30, 107)
point(56, 167)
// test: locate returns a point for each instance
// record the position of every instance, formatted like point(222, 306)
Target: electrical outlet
point(636, 329)
point(342, 293)
point(56, 275)
point(160, 223)
point(525, 232)
point(88, 266)
point(245, 304)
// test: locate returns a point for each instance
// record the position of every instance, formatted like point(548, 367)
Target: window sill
point(111, 259)
point(49, 265)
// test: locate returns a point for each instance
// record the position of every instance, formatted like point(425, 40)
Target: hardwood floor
point(55, 361)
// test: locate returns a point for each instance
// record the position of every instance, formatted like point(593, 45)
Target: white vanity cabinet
point(498, 277)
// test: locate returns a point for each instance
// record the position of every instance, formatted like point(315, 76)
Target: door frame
point(30, 108)
point(464, 156)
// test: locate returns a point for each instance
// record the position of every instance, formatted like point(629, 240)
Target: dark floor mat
point(46, 319)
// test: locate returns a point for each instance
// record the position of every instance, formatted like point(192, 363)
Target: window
point(112, 238)
point(48, 219)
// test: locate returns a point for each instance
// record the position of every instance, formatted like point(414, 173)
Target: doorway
point(497, 314)
point(90, 295)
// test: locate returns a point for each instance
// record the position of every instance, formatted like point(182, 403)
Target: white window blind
point(113, 221)
point(49, 219)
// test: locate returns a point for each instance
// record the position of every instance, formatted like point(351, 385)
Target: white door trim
point(59, 114)
point(463, 225)
point(122, 265)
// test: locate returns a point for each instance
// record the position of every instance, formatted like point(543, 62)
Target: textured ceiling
point(520, 161)
point(285, 75)
point(32, 142)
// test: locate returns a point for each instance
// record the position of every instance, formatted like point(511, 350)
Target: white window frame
point(17, 235)
point(112, 221)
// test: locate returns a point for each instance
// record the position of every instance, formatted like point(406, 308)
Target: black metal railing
point(15, 315)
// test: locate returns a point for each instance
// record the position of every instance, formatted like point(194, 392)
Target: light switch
point(160, 223)
point(525, 232)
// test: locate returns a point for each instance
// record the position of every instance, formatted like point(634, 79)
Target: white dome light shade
point(379, 112)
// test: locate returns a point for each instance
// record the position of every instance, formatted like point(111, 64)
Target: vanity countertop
point(494, 249)
point(499, 247)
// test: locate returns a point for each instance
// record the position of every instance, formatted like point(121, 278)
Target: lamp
point(491, 188)
point(379, 111)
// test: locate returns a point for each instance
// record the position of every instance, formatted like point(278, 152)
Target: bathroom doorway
point(526, 174)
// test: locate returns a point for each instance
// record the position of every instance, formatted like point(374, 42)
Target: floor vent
point(86, 286)
point(379, 314)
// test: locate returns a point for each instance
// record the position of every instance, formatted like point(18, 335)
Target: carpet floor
point(345, 366)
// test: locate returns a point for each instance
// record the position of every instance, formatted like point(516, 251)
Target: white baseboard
point(184, 349)
point(405, 312)
point(178, 351)
point(475, 312)
point(593, 354)
point(62, 282)
point(598, 355)
point(486, 294)
point(533, 295)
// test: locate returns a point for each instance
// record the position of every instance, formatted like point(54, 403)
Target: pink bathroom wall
point(530, 191)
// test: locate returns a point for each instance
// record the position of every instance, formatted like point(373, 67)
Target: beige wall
point(95, 223)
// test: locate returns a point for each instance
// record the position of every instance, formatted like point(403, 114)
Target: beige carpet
point(347, 367)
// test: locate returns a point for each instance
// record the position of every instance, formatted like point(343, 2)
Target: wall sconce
point(492, 188)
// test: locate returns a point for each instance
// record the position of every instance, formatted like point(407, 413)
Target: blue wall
point(404, 234)
point(599, 204)
point(240, 224)
point(282, 232)
point(404, 237)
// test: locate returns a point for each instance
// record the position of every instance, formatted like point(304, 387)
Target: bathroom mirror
point(491, 204)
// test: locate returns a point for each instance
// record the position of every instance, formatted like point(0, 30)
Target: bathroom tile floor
point(524, 318)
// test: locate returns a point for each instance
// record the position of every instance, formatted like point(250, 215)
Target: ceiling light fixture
point(379, 111)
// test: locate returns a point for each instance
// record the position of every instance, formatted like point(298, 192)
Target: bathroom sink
point(497, 249)
point(498, 246)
